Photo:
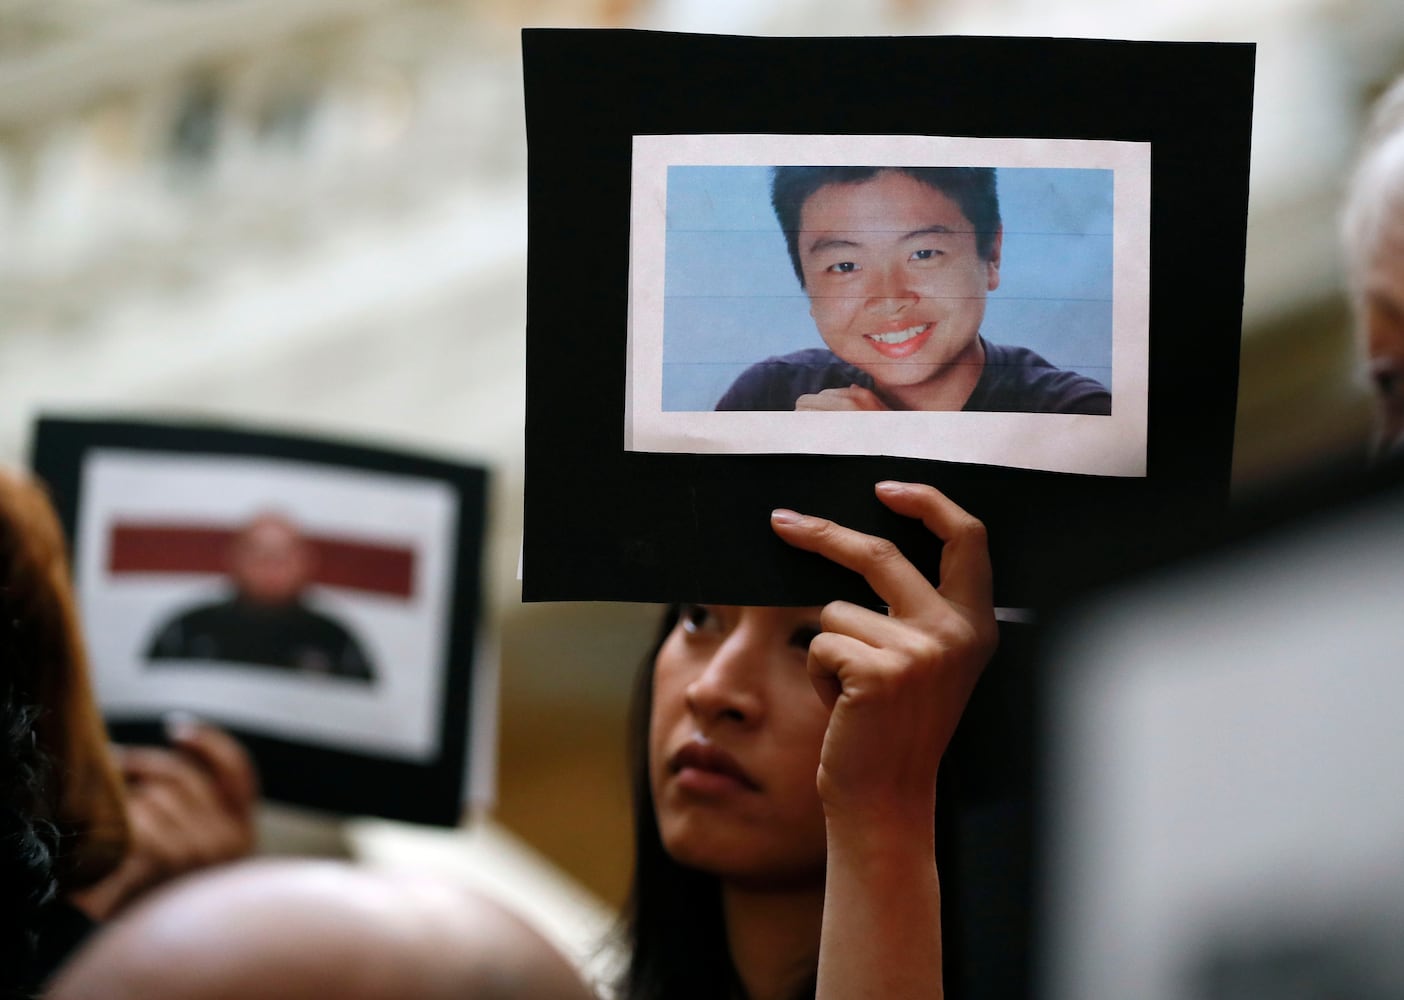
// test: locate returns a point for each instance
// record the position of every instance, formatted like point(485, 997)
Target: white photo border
point(398, 716)
point(1112, 445)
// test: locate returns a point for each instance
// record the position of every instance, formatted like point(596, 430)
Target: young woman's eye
point(696, 618)
point(843, 267)
point(929, 253)
point(803, 636)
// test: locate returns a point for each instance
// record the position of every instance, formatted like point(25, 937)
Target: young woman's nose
point(729, 687)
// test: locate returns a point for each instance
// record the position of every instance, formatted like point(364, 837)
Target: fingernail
point(179, 725)
point(889, 487)
point(783, 516)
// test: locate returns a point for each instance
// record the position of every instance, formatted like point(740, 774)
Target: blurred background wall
point(310, 214)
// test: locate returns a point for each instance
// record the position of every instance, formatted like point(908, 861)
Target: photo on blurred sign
point(306, 594)
point(974, 300)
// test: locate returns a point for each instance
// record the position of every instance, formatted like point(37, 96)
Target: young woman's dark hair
point(62, 818)
point(46, 665)
point(973, 189)
point(27, 844)
point(673, 920)
point(27, 840)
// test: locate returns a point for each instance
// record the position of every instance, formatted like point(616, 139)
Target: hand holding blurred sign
point(317, 598)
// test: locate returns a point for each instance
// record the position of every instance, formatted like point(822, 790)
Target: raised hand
point(897, 684)
point(189, 806)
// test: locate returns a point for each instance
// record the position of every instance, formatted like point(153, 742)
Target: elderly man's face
point(1382, 322)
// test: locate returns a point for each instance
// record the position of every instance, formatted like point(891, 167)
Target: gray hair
point(1376, 190)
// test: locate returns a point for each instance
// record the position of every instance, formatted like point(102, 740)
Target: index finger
point(165, 768)
point(899, 583)
point(853, 397)
point(857, 395)
point(220, 754)
point(966, 575)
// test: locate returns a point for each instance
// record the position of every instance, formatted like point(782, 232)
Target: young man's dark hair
point(971, 188)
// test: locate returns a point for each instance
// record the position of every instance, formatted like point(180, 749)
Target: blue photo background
point(731, 297)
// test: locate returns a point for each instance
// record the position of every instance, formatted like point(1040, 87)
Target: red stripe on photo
point(185, 548)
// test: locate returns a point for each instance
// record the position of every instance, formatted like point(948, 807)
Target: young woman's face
point(734, 740)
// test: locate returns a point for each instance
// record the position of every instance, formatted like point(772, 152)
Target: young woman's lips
point(706, 768)
point(901, 343)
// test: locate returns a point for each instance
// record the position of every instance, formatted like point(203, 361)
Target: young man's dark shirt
point(1013, 380)
point(288, 636)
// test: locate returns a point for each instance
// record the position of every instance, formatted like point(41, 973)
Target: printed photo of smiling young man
point(897, 263)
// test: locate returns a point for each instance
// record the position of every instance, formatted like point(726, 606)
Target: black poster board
point(602, 522)
point(379, 723)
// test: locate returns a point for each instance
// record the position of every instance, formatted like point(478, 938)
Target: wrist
point(904, 836)
point(871, 809)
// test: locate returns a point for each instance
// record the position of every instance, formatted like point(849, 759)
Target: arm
point(896, 685)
